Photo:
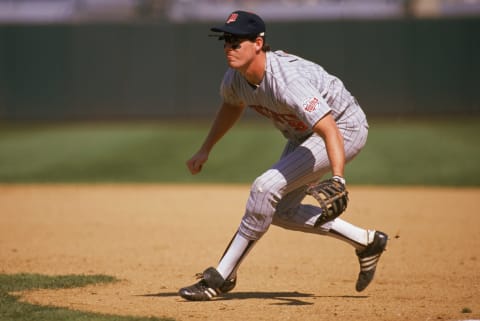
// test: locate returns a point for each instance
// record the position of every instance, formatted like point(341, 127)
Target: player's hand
point(195, 163)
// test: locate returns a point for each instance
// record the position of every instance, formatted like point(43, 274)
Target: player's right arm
point(226, 117)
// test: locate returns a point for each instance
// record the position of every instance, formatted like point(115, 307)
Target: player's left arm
point(327, 128)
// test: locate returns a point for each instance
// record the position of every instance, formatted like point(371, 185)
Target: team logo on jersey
point(310, 104)
point(232, 18)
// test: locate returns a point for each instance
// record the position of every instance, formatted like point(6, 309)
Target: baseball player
point(324, 127)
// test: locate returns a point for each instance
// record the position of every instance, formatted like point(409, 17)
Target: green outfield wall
point(56, 72)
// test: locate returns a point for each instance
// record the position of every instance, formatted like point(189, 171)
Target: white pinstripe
point(294, 94)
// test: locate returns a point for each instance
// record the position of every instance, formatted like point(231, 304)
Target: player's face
point(239, 51)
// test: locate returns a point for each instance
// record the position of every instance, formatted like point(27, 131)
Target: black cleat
point(211, 284)
point(368, 259)
point(228, 285)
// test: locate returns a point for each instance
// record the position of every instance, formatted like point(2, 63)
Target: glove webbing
point(332, 197)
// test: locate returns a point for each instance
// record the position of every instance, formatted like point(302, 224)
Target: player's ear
point(258, 44)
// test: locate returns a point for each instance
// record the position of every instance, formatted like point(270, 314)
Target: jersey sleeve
point(227, 91)
point(306, 101)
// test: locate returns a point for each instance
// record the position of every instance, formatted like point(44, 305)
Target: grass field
point(13, 310)
point(398, 152)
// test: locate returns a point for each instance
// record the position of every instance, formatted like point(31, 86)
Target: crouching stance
point(324, 127)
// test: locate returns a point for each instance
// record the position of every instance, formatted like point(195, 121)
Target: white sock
point(350, 233)
point(236, 251)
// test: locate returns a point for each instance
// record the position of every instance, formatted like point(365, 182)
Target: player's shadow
point(284, 298)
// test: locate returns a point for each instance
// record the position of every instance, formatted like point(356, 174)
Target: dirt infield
point(156, 237)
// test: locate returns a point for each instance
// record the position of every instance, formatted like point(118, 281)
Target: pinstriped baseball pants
point(276, 195)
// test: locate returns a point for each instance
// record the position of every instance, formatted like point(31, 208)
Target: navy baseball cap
point(242, 23)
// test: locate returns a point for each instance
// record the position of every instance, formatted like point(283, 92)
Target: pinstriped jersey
point(294, 93)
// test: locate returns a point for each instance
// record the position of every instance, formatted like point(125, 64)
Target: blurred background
point(408, 62)
point(83, 59)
